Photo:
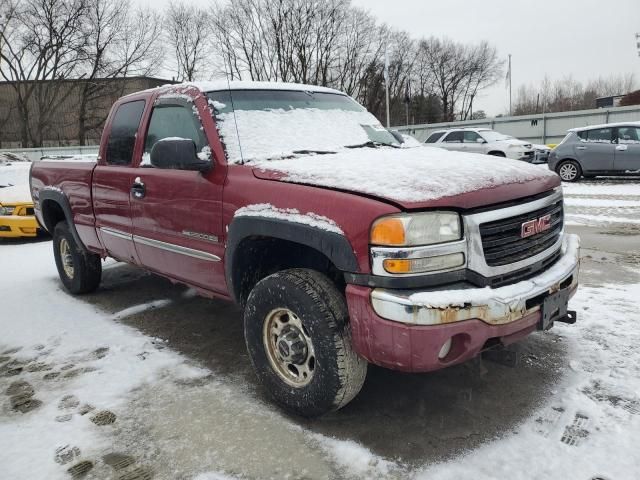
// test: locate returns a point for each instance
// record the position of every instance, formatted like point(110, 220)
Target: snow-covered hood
point(14, 183)
point(415, 177)
point(513, 142)
point(15, 194)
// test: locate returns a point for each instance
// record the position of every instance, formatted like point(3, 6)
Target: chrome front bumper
point(495, 306)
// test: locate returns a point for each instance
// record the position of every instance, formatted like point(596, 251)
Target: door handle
point(621, 148)
point(138, 189)
point(581, 148)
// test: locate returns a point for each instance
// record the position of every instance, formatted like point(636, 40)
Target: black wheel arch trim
point(334, 246)
point(63, 202)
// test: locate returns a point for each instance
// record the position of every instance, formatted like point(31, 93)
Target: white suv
point(482, 140)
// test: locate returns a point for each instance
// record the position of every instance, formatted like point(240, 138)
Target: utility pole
point(638, 42)
point(509, 74)
point(386, 81)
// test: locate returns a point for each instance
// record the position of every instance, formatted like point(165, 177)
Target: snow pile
point(266, 210)
point(354, 459)
point(412, 174)
point(266, 134)
point(11, 157)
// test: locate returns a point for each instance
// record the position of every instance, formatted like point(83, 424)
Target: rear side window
point(454, 137)
point(598, 135)
point(122, 137)
point(433, 138)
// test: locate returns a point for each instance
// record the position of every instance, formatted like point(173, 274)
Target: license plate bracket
point(554, 307)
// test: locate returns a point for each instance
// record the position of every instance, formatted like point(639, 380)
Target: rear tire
point(299, 341)
point(80, 271)
point(569, 171)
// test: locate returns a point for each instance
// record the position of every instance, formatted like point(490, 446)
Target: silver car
point(611, 149)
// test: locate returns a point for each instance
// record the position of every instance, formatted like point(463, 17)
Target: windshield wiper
point(372, 144)
point(306, 152)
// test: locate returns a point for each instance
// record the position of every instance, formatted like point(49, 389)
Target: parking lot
point(143, 379)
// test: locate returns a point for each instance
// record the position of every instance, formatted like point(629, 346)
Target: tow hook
point(569, 318)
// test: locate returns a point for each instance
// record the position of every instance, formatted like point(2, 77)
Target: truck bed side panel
point(74, 179)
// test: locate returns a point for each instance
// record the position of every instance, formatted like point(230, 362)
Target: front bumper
point(17, 226)
point(406, 329)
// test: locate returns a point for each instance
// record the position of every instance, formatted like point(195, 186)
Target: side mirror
point(177, 154)
point(481, 140)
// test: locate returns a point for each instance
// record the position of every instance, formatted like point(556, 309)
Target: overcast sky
point(581, 38)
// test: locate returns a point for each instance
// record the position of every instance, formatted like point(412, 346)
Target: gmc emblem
point(535, 226)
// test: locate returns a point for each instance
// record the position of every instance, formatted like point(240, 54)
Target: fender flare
point(334, 246)
point(62, 201)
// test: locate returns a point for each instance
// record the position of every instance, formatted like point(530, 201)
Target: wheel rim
point(66, 258)
point(289, 347)
point(568, 171)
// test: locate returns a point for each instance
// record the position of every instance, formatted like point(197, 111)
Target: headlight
point(6, 210)
point(408, 230)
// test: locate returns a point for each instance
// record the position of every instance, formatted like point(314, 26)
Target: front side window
point(454, 137)
point(174, 121)
point(433, 138)
point(629, 135)
point(122, 138)
point(257, 125)
point(471, 137)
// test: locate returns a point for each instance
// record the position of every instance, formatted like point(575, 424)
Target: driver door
point(177, 214)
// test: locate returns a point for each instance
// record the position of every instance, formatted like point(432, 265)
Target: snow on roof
point(218, 85)
point(405, 175)
point(605, 125)
point(223, 85)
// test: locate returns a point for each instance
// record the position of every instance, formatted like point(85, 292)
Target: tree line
point(329, 43)
point(568, 94)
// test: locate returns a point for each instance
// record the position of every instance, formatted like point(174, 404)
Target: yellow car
point(16, 207)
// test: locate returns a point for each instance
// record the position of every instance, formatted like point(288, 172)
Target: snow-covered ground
point(81, 390)
point(603, 202)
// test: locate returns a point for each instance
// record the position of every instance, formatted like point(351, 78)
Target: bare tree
point(120, 42)
point(459, 71)
point(567, 94)
point(41, 40)
point(187, 29)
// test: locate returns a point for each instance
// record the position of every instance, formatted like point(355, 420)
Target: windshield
point(268, 124)
point(492, 136)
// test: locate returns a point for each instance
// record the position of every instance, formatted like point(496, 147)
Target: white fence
point(37, 153)
point(540, 128)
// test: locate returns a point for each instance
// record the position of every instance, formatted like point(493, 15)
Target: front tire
point(298, 337)
point(80, 271)
point(569, 171)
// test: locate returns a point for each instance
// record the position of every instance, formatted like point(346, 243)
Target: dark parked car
point(612, 149)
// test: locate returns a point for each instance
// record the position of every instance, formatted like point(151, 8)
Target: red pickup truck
point(343, 243)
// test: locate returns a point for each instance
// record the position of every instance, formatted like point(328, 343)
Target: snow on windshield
point(280, 124)
point(492, 136)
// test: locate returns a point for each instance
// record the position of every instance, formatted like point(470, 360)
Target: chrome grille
point(503, 244)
